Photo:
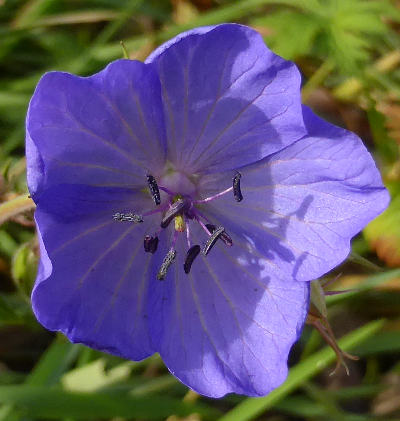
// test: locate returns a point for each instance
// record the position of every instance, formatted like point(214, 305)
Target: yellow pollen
point(179, 223)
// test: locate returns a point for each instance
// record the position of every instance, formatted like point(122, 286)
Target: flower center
point(175, 199)
point(179, 183)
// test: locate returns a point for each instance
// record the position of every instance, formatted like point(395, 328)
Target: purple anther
point(211, 228)
point(236, 187)
point(153, 187)
point(192, 253)
point(150, 244)
point(128, 217)
point(224, 236)
point(212, 239)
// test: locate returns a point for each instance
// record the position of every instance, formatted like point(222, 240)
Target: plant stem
point(317, 79)
point(15, 206)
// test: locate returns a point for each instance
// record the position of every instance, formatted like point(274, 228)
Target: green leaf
point(383, 233)
point(8, 245)
point(382, 342)
point(155, 385)
point(369, 283)
point(15, 206)
point(292, 33)
point(53, 363)
point(252, 407)
point(12, 104)
point(47, 372)
point(318, 297)
point(33, 11)
point(386, 146)
point(93, 376)
point(7, 414)
point(23, 268)
point(347, 49)
point(8, 313)
point(227, 13)
point(50, 403)
point(344, 31)
point(15, 310)
point(301, 406)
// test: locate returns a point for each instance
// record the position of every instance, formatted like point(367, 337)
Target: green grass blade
point(54, 362)
point(15, 206)
point(369, 283)
point(49, 403)
point(251, 407)
point(387, 342)
point(56, 359)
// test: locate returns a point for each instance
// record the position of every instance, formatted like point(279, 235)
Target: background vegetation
point(349, 54)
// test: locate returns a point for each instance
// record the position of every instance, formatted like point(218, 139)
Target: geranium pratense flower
point(146, 246)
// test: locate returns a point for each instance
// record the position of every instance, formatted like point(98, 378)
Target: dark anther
point(167, 262)
point(211, 228)
point(153, 187)
point(190, 256)
point(128, 217)
point(212, 240)
point(175, 209)
point(236, 187)
point(150, 244)
point(224, 236)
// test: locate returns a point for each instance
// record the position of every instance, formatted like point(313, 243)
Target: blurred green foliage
point(349, 54)
point(343, 31)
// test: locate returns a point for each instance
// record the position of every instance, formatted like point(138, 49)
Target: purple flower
point(146, 246)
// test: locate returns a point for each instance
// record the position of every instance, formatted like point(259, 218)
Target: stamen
point(216, 196)
point(198, 213)
point(167, 262)
point(128, 217)
point(153, 187)
point(192, 253)
point(174, 239)
point(225, 237)
point(202, 225)
point(212, 240)
point(168, 191)
point(150, 244)
point(175, 209)
point(236, 187)
point(156, 210)
point(211, 228)
point(188, 234)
